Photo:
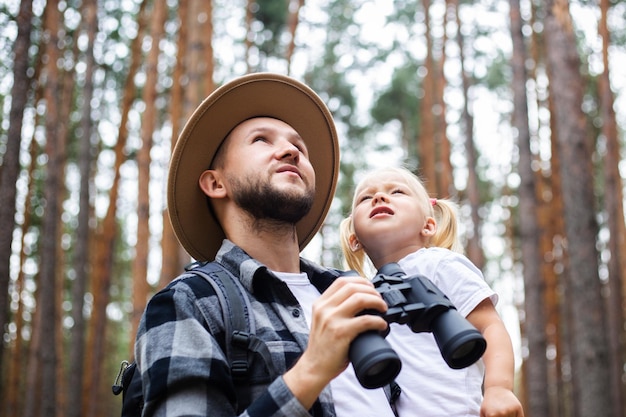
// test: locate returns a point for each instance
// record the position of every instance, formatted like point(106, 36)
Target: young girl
point(394, 220)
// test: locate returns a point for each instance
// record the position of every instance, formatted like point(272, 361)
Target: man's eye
point(259, 139)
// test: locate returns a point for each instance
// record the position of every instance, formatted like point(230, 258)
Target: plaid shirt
point(180, 344)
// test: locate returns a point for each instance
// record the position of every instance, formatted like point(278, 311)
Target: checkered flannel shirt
point(180, 344)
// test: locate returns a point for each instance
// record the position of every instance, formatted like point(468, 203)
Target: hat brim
point(253, 95)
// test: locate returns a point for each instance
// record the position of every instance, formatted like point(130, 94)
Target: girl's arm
point(499, 399)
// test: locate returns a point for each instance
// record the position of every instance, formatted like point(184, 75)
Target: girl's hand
point(500, 402)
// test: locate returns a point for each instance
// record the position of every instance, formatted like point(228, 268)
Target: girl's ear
point(211, 184)
point(355, 245)
point(430, 227)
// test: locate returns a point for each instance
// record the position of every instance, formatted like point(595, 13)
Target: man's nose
point(288, 150)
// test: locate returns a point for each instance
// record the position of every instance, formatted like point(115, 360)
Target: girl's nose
point(380, 197)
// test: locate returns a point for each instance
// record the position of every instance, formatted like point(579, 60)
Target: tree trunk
point(15, 375)
point(48, 267)
point(590, 362)
point(556, 282)
point(474, 246)
point(250, 4)
point(81, 262)
point(613, 198)
point(148, 122)
point(32, 397)
point(536, 387)
point(105, 239)
point(11, 157)
point(207, 59)
point(443, 165)
point(65, 102)
point(426, 138)
point(292, 26)
point(172, 251)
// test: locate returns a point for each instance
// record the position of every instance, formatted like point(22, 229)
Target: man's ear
point(211, 184)
point(430, 227)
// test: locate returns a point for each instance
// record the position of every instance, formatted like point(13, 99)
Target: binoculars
point(417, 302)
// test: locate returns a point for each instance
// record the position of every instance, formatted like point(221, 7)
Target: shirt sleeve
point(463, 283)
point(184, 369)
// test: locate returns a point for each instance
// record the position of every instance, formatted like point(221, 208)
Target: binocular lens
point(459, 342)
point(464, 350)
point(375, 363)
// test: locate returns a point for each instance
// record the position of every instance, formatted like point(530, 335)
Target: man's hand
point(334, 325)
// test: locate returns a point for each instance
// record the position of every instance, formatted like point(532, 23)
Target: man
point(251, 180)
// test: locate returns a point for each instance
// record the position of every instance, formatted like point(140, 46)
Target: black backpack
point(240, 341)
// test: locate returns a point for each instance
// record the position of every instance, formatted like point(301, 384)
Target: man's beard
point(265, 202)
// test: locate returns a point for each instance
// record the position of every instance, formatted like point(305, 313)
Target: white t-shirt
point(349, 397)
point(429, 386)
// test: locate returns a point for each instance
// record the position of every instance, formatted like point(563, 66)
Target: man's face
point(266, 165)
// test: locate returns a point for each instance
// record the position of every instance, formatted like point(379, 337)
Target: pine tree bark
point(426, 139)
point(15, 375)
point(104, 248)
point(10, 158)
point(172, 252)
point(65, 102)
point(443, 165)
point(83, 230)
point(613, 198)
point(148, 123)
point(555, 272)
point(47, 353)
point(207, 59)
point(292, 26)
point(536, 378)
point(474, 248)
point(590, 362)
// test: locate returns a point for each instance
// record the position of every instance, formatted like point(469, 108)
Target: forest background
point(516, 108)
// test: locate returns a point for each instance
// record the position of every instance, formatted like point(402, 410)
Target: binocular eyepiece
point(417, 302)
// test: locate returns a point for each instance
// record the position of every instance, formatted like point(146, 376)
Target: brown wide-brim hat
point(254, 95)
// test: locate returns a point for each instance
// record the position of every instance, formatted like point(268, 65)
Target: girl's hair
point(354, 259)
point(444, 211)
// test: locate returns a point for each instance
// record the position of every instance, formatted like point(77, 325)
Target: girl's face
point(391, 217)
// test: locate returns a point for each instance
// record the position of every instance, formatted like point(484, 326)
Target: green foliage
point(334, 85)
point(498, 75)
point(400, 101)
point(272, 14)
point(407, 12)
point(7, 35)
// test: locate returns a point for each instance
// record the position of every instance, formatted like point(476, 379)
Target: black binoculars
point(417, 302)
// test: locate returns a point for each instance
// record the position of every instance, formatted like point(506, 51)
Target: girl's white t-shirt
point(349, 397)
point(429, 386)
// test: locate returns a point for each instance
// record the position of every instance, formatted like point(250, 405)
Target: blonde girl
point(394, 219)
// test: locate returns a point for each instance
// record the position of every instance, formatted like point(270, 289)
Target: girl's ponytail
point(447, 235)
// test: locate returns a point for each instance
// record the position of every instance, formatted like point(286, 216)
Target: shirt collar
point(249, 270)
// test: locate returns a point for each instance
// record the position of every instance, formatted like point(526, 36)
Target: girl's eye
point(364, 198)
point(259, 139)
point(398, 191)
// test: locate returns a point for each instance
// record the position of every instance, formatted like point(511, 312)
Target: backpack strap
point(128, 383)
point(239, 325)
point(393, 392)
point(240, 341)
